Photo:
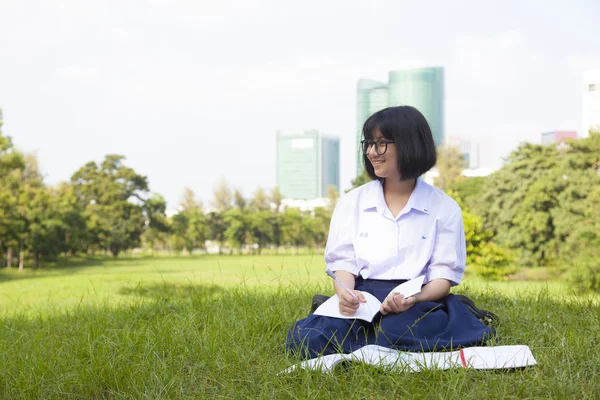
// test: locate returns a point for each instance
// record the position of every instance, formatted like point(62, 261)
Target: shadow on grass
point(50, 270)
point(171, 291)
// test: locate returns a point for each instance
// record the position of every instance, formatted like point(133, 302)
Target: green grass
point(111, 281)
point(211, 327)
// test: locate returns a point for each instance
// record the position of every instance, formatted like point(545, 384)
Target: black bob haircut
point(415, 147)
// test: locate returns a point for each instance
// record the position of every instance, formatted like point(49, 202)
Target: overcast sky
point(192, 91)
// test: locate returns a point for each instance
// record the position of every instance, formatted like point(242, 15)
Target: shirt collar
point(418, 200)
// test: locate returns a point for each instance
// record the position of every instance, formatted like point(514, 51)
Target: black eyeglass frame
point(370, 143)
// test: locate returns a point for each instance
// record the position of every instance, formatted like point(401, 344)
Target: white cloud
point(578, 64)
point(76, 73)
point(488, 62)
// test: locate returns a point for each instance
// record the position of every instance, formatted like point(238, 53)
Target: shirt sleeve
point(449, 252)
point(339, 251)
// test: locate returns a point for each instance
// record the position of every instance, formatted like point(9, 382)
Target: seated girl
point(390, 230)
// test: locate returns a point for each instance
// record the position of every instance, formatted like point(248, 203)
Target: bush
point(488, 259)
point(493, 263)
point(584, 273)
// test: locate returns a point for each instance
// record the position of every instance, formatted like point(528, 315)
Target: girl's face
point(385, 165)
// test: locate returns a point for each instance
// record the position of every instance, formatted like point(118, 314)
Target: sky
point(192, 92)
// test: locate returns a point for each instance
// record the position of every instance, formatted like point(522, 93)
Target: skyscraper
point(308, 163)
point(591, 101)
point(422, 88)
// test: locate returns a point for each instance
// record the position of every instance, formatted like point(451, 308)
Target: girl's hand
point(396, 304)
point(349, 304)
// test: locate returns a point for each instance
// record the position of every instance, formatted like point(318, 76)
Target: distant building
point(468, 148)
point(557, 136)
point(591, 101)
point(422, 88)
point(308, 163)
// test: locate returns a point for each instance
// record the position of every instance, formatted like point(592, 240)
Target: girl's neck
point(395, 187)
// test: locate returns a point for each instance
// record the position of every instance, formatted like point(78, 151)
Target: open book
point(367, 311)
point(491, 357)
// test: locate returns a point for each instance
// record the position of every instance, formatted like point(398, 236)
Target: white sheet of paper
point(366, 311)
point(410, 288)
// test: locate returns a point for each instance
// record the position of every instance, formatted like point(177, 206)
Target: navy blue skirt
point(428, 326)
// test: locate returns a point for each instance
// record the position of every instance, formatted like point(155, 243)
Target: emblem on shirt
point(364, 234)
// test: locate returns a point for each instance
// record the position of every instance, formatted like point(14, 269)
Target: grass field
point(213, 327)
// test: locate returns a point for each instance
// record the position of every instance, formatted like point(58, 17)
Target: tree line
point(541, 208)
point(107, 207)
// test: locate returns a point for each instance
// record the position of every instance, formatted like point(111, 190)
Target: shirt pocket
point(422, 245)
point(374, 241)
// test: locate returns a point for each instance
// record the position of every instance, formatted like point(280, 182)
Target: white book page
point(323, 363)
point(498, 357)
point(376, 355)
point(366, 311)
point(410, 288)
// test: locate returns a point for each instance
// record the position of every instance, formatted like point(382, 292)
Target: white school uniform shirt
point(426, 237)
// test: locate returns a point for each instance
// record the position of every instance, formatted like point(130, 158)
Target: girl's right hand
point(348, 303)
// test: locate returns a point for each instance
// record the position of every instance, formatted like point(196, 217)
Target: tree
point(112, 196)
point(468, 189)
point(293, 228)
point(322, 220)
point(188, 201)
point(450, 163)
point(238, 228)
point(197, 229)
point(12, 166)
point(360, 180)
point(276, 198)
point(332, 197)
point(70, 227)
point(261, 227)
point(157, 225)
point(582, 246)
point(222, 196)
point(32, 209)
point(535, 203)
point(260, 201)
point(277, 220)
point(239, 200)
point(216, 228)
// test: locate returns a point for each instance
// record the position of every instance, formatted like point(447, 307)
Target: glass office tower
point(307, 164)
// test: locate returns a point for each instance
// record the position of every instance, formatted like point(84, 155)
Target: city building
point(591, 101)
point(557, 136)
point(422, 88)
point(308, 163)
point(468, 148)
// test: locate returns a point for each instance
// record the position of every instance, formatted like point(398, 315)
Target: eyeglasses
point(380, 146)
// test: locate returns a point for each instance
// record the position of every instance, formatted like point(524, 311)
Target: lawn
point(115, 281)
point(213, 327)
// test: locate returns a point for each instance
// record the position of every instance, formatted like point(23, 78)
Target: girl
point(392, 229)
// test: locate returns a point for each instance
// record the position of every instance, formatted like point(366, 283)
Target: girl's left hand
point(395, 304)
